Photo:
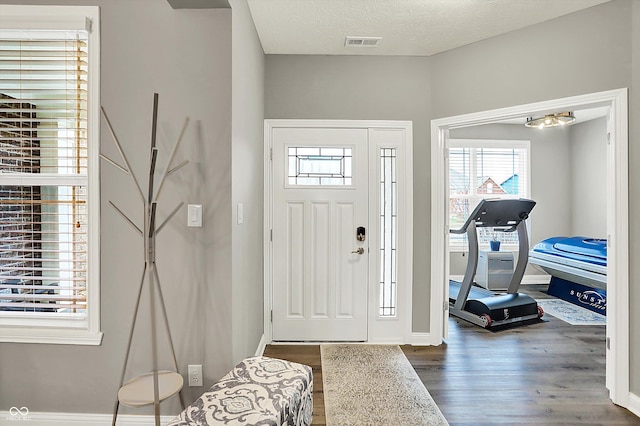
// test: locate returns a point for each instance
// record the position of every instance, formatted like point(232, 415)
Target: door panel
point(320, 271)
point(295, 261)
point(346, 308)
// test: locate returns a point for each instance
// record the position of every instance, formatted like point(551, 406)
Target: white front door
point(320, 266)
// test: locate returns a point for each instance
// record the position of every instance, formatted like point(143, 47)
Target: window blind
point(485, 169)
point(43, 172)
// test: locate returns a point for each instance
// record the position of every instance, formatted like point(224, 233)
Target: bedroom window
point(485, 169)
point(49, 194)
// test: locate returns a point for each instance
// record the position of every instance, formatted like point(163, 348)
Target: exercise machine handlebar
point(505, 213)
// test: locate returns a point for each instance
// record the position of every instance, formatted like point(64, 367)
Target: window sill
point(49, 336)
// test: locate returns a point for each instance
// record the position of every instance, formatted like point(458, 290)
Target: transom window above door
point(320, 166)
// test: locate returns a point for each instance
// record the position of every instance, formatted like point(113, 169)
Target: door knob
point(359, 250)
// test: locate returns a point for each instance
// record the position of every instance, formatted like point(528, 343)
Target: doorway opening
point(615, 104)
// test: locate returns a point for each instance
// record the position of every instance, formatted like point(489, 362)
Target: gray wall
point(365, 88)
point(512, 69)
point(185, 56)
point(520, 67)
point(588, 179)
point(148, 47)
point(247, 186)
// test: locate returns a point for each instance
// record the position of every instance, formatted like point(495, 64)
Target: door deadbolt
point(361, 233)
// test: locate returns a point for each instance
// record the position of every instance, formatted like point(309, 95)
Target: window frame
point(460, 247)
point(31, 327)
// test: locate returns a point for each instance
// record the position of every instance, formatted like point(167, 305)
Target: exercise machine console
point(483, 307)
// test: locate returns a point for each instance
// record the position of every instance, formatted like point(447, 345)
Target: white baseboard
point(424, 339)
point(14, 418)
point(634, 404)
point(261, 346)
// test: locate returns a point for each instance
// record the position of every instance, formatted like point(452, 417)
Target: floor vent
point(362, 41)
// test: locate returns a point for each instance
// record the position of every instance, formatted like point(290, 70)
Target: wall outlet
point(195, 375)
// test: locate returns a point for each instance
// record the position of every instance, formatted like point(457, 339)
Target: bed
point(578, 267)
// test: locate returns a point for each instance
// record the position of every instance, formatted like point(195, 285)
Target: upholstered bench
point(258, 391)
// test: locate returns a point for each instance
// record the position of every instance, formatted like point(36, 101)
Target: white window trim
point(34, 328)
point(494, 143)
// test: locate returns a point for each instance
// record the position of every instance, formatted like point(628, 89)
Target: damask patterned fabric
point(258, 391)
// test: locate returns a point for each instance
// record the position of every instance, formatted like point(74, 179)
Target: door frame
point(378, 329)
point(617, 359)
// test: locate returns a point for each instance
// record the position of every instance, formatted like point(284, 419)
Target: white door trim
point(617, 220)
point(405, 213)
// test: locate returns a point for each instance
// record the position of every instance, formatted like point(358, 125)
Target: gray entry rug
point(374, 385)
point(570, 313)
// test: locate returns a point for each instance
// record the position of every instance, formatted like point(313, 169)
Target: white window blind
point(485, 169)
point(45, 211)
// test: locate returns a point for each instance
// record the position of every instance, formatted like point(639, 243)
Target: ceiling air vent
point(362, 41)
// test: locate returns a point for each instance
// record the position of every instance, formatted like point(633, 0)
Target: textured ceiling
point(407, 27)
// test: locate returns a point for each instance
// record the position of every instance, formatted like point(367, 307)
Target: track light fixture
point(551, 120)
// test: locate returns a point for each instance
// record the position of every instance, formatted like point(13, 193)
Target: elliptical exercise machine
point(483, 307)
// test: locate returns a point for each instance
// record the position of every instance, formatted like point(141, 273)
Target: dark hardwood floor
point(308, 355)
point(547, 373)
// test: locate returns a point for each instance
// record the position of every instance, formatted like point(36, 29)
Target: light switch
point(194, 215)
point(240, 213)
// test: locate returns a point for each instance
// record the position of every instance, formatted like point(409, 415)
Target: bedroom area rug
point(374, 384)
point(570, 313)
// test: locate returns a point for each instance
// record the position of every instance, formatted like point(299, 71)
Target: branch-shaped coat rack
point(155, 386)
